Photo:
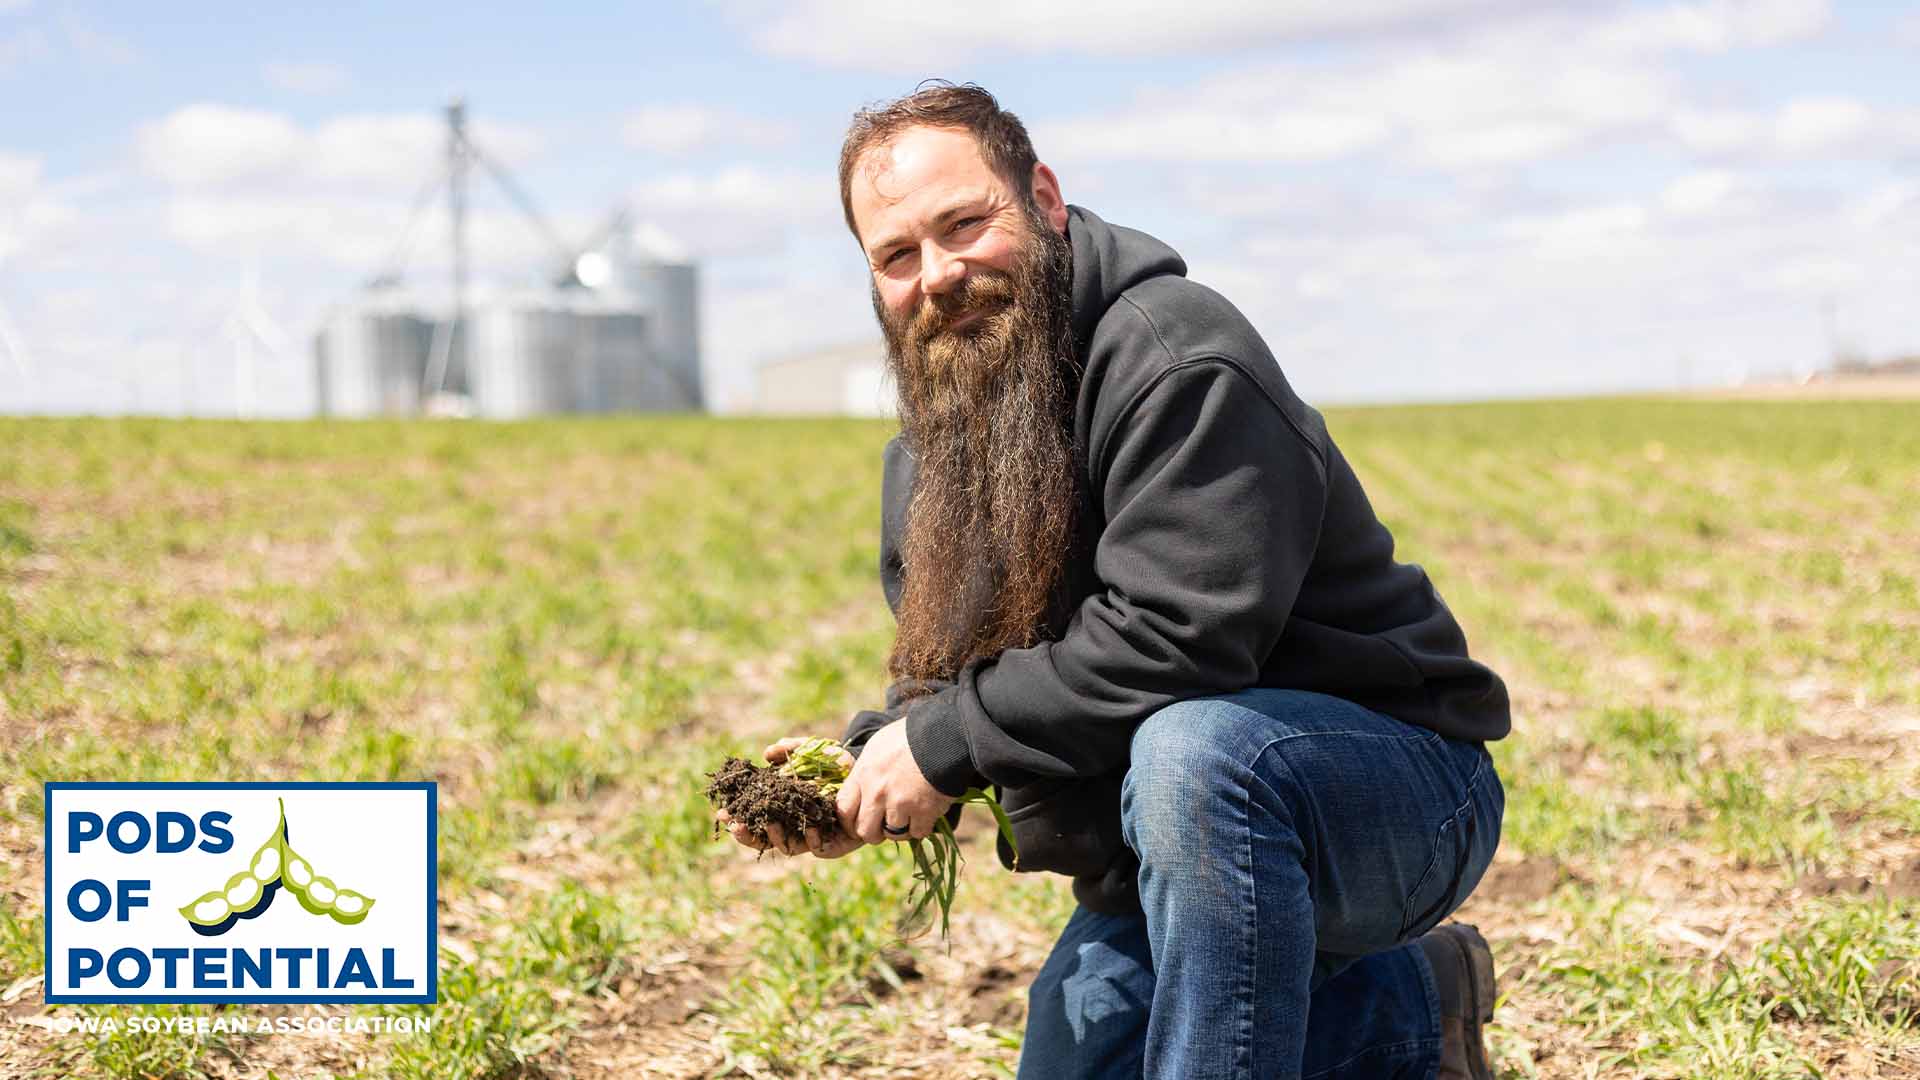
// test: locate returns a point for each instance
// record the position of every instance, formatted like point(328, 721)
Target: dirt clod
point(757, 796)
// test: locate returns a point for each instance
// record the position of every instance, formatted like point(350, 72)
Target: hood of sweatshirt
point(1107, 261)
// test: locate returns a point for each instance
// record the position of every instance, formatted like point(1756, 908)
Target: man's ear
point(1046, 195)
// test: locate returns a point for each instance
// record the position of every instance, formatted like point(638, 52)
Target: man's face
point(930, 213)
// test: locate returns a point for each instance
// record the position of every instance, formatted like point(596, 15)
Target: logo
point(332, 902)
point(249, 893)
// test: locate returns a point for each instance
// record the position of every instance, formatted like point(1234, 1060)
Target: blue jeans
point(1292, 845)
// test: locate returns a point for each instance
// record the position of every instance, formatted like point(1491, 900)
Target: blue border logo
point(119, 915)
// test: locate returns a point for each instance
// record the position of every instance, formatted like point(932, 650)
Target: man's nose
point(940, 272)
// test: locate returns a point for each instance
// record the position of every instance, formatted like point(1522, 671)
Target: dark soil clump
point(757, 796)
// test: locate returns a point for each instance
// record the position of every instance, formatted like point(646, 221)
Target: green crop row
point(1705, 611)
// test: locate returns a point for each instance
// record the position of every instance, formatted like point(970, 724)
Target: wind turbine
point(249, 326)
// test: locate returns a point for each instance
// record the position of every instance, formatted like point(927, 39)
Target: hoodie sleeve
point(1213, 501)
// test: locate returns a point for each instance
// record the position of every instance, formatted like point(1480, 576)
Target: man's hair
point(1001, 136)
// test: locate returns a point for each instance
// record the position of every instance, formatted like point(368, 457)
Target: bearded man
point(1140, 592)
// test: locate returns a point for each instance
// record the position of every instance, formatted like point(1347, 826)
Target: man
point(1139, 590)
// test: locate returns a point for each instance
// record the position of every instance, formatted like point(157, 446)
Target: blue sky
point(1413, 199)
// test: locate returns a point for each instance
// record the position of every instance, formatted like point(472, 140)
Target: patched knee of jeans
point(1098, 990)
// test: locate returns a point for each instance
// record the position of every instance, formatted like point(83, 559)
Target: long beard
point(987, 412)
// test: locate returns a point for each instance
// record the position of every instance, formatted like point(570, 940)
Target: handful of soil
point(797, 794)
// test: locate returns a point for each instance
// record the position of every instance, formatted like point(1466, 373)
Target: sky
point(1411, 199)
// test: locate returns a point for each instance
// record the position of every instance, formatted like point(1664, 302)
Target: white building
point(844, 380)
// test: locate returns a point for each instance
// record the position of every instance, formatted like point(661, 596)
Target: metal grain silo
point(566, 350)
point(669, 292)
point(370, 358)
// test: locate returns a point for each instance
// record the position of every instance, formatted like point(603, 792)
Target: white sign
point(241, 892)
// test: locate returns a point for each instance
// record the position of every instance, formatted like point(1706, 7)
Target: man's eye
point(894, 257)
point(966, 223)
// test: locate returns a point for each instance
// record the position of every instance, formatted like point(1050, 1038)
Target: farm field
point(1708, 613)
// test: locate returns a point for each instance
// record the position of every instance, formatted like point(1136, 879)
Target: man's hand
point(777, 838)
point(886, 787)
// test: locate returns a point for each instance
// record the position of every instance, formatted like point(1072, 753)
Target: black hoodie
point(1223, 543)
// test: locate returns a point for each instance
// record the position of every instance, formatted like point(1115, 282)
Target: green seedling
point(250, 891)
point(936, 864)
point(817, 760)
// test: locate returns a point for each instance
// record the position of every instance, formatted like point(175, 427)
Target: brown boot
point(1463, 974)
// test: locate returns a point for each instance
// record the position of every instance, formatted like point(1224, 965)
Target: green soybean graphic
point(251, 891)
point(319, 895)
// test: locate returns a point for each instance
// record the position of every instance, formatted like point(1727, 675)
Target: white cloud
point(306, 77)
point(736, 189)
point(209, 145)
point(1820, 123)
point(741, 209)
point(1716, 131)
point(19, 176)
point(1202, 134)
point(359, 235)
point(1883, 203)
point(1801, 127)
point(1500, 108)
point(1531, 88)
point(249, 184)
point(1318, 285)
point(256, 225)
point(683, 128)
point(914, 36)
point(393, 149)
point(1715, 26)
point(1452, 110)
point(30, 212)
point(1497, 144)
point(1699, 193)
point(1374, 299)
point(1586, 232)
point(1364, 202)
point(1818, 275)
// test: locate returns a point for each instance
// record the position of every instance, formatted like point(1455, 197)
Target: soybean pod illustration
point(319, 894)
point(250, 892)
